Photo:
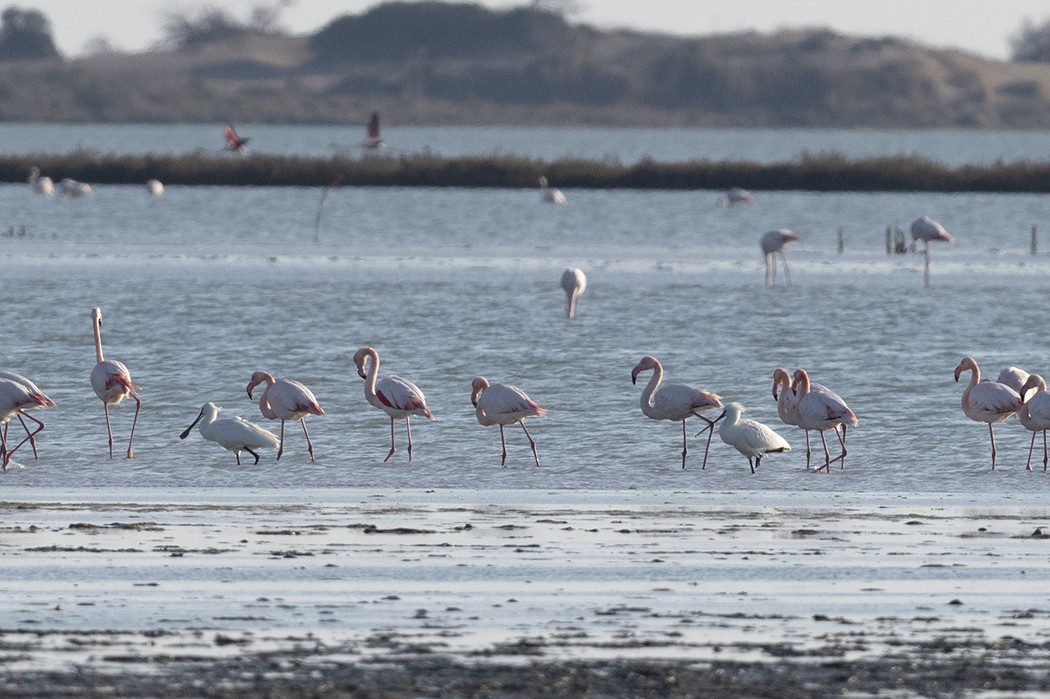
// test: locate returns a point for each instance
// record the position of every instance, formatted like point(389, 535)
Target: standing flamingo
point(232, 433)
point(397, 397)
point(15, 398)
point(550, 195)
point(40, 184)
point(749, 437)
point(574, 282)
point(674, 401)
point(234, 142)
point(986, 401)
point(372, 139)
point(502, 404)
point(284, 399)
point(772, 244)
point(787, 402)
point(112, 383)
point(735, 195)
point(927, 230)
point(21, 414)
point(1035, 414)
point(821, 410)
point(1014, 377)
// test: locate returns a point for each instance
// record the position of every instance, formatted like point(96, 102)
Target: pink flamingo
point(15, 398)
point(772, 244)
point(1014, 377)
point(284, 399)
point(821, 410)
point(501, 404)
point(927, 230)
point(30, 434)
point(675, 401)
point(1035, 413)
point(372, 139)
point(787, 402)
point(986, 401)
point(235, 142)
point(112, 383)
point(397, 397)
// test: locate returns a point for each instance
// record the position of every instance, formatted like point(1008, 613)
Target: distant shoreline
point(825, 173)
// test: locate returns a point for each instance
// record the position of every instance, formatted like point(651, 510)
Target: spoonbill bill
point(397, 397)
point(285, 399)
point(502, 404)
point(986, 401)
point(233, 433)
point(112, 383)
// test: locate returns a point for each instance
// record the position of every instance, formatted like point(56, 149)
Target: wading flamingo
point(1035, 413)
point(674, 401)
point(21, 414)
point(234, 142)
point(112, 383)
point(734, 196)
point(233, 433)
point(749, 437)
point(927, 230)
point(787, 402)
point(772, 244)
point(397, 397)
point(821, 410)
point(284, 399)
point(986, 401)
point(15, 398)
point(74, 189)
point(40, 184)
point(574, 282)
point(551, 195)
point(501, 404)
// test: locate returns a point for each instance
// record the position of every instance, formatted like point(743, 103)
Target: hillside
point(438, 63)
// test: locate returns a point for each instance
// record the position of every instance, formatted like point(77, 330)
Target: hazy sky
point(982, 26)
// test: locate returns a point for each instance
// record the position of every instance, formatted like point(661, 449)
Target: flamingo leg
point(991, 436)
point(134, 421)
point(3, 448)
point(109, 429)
point(710, 434)
point(809, 451)
point(280, 448)
point(503, 444)
point(309, 444)
point(408, 429)
point(532, 442)
point(771, 273)
point(926, 265)
point(30, 435)
point(685, 447)
point(256, 455)
point(1044, 450)
point(1031, 447)
point(827, 454)
point(842, 441)
point(391, 452)
point(787, 273)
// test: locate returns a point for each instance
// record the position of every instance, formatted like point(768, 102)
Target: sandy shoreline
point(512, 593)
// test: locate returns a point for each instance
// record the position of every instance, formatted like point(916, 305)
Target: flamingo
point(233, 433)
point(395, 396)
point(821, 410)
point(787, 402)
point(33, 390)
point(674, 401)
point(551, 195)
point(372, 139)
point(574, 282)
point(1013, 377)
point(927, 230)
point(749, 437)
point(772, 244)
point(986, 401)
point(74, 189)
point(285, 399)
point(1035, 413)
point(15, 399)
point(40, 184)
point(234, 142)
point(502, 404)
point(735, 195)
point(154, 187)
point(112, 383)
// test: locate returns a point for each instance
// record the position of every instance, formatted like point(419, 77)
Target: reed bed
point(831, 172)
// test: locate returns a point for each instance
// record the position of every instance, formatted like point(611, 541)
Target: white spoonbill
point(1035, 413)
point(21, 414)
point(986, 401)
point(40, 184)
point(674, 401)
point(502, 404)
point(734, 196)
point(772, 244)
point(749, 437)
point(550, 195)
point(927, 230)
point(154, 187)
point(574, 282)
point(74, 189)
point(821, 410)
point(1014, 377)
point(395, 396)
point(285, 399)
point(234, 142)
point(233, 433)
point(112, 383)
point(15, 398)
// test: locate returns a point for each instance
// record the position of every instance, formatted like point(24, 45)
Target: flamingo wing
point(676, 401)
point(503, 402)
point(292, 400)
point(1039, 410)
point(401, 394)
point(993, 401)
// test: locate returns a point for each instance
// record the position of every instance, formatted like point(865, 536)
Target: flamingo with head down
point(502, 404)
point(21, 413)
point(574, 283)
point(285, 399)
point(772, 244)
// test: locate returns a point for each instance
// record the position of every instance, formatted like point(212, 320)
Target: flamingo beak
point(250, 387)
point(957, 373)
point(634, 377)
point(186, 432)
point(775, 396)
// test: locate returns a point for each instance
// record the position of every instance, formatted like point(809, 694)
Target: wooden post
point(1035, 241)
point(889, 238)
point(841, 242)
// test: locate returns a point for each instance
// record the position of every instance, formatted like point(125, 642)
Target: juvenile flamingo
point(986, 401)
point(675, 401)
point(397, 397)
point(21, 414)
point(112, 383)
point(927, 230)
point(772, 244)
point(821, 410)
point(15, 398)
point(574, 282)
point(1035, 413)
point(749, 437)
point(502, 404)
point(550, 195)
point(284, 399)
point(232, 433)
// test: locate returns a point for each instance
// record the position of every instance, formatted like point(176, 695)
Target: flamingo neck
point(373, 372)
point(650, 388)
point(98, 344)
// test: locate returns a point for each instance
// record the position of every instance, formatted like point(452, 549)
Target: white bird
point(285, 399)
point(821, 410)
point(154, 187)
point(112, 383)
point(21, 414)
point(74, 189)
point(1035, 413)
point(927, 230)
point(15, 398)
point(749, 437)
point(234, 433)
point(550, 195)
point(675, 401)
point(40, 184)
point(1014, 377)
point(397, 397)
point(574, 282)
point(772, 244)
point(735, 195)
point(502, 404)
point(986, 401)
